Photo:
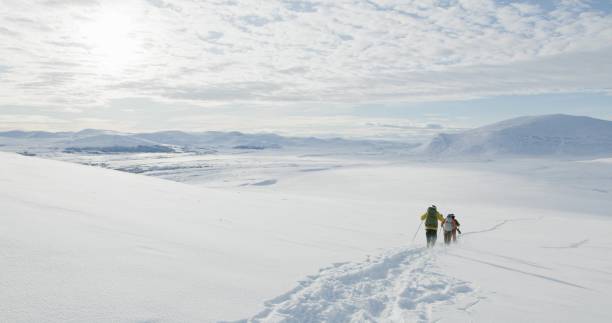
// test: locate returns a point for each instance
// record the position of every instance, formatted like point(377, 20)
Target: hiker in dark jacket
point(431, 218)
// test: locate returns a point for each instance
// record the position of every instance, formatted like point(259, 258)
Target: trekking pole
point(417, 231)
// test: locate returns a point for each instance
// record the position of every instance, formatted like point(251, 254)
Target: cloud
point(49, 79)
point(13, 121)
point(421, 128)
point(4, 69)
point(283, 51)
point(434, 126)
point(255, 20)
point(8, 32)
point(164, 5)
point(69, 44)
point(223, 92)
point(27, 24)
point(405, 126)
point(301, 6)
point(212, 36)
point(62, 3)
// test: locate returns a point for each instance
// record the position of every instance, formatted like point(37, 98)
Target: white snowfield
point(559, 135)
point(85, 244)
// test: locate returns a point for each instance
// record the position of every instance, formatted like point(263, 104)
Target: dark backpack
point(431, 220)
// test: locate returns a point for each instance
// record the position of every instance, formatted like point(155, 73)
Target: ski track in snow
point(500, 224)
point(570, 246)
point(519, 271)
point(399, 286)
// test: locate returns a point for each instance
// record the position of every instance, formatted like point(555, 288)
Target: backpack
point(448, 224)
point(431, 220)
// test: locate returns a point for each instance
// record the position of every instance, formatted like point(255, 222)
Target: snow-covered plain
point(213, 159)
point(86, 244)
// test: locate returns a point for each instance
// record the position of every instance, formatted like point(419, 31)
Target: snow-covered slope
point(548, 135)
point(84, 244)
point(529, 252)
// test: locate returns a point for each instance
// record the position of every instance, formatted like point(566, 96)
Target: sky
point(359, 68)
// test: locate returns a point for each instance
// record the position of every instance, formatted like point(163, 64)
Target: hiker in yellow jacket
point(431, 218)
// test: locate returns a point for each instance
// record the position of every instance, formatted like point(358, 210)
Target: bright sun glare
point(110, 37)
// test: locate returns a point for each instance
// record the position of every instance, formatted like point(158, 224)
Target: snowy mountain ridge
point(94, 139)
point(553, 136)
point(532, 136)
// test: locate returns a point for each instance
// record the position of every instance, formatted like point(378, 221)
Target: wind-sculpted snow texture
point(399, 286)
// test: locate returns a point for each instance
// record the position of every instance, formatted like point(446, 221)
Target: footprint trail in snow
point(399, 286)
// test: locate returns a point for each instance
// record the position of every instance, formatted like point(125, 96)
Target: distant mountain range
point(105, 141)
point(555, 135)
point(534, 136)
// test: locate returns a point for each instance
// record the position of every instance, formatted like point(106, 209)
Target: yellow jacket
point(440, 218)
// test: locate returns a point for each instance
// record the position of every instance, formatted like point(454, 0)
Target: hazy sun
point(111, 38)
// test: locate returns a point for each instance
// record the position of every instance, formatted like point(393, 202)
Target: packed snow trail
point(398, 286)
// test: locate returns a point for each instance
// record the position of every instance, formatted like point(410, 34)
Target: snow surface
point(86, 244)
point(214, 159)
point(547, 135)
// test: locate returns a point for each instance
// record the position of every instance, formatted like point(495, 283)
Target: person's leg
point(447, 237)
point(434, 237)
point(455, 235)
point(431, 237)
